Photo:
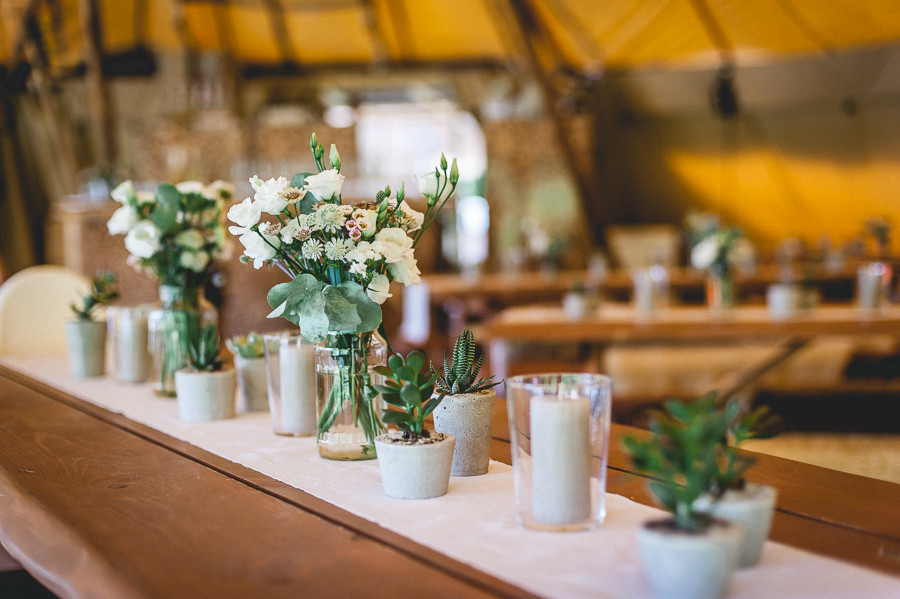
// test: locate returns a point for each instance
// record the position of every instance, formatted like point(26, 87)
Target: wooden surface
point(95, 503)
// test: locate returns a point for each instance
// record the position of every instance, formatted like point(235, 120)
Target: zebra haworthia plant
point(460, 373)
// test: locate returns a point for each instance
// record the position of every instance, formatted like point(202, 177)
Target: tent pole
point(99, 103)
point(526, 29)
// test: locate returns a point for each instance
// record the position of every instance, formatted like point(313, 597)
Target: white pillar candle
point(297, 378)
point(561, 457)
point(132, 355)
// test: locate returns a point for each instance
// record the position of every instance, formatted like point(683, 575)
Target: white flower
point(328, 218)
point(186, 187)
point(405, 271)
point(255, 247)
point(326, 185)
point(123, 192)
point(142, 239)
point(245, 215)
point(312, 249)
point(121, 220)
point(705, 252)
point(268, 195)
point(145, 197)
point(393, 243)
point(219, 190)
point(430, 184)
point(195, 261)
point(366, 221)
point(412, 219)
point(359, 268)
point(379, 289)
point(336, 249)
point(191, 239)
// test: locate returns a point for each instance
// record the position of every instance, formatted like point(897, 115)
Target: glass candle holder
point(873, 283)
point(127, 328)
point(559, 429)
point(291, 374)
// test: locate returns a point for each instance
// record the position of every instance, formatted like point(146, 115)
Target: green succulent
point(103, 291)
point(461, 374)
point(246, 346)
point(409, 388)
point(741, 426)
point(204, 349)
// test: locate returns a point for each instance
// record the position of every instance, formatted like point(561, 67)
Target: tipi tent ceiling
point(579, 35)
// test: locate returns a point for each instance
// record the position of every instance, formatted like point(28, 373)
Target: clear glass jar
point(348, 409)
point(291, 376)
point(720, 290)
point(168, 325)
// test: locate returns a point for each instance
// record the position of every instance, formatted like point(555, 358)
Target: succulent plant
point(103, 291)
point(408, 387)
point(204, 349)
point(246, 346)
point(739, 427)
point(460, 373)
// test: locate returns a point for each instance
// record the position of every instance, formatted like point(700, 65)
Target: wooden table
point(620, 324)
point(95, 504)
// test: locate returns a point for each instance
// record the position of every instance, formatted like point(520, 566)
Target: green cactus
point(204, 349)
point(461, 374)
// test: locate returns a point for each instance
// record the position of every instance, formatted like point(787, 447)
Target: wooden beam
point(287, 49)
point(99, 103)
point(380, 53)
point(525, 27)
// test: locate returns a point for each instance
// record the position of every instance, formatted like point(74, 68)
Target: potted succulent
point(690, 554)
point(250, 365)
point(414, 462)
point(738, 500)
point(204, 389)
point(467, 410)
point(87, 337)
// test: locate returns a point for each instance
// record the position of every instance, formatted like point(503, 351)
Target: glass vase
point(169, 324)
point(720, 293)
point(348, 409)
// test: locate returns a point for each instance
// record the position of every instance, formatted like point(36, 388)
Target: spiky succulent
point(204, 349)
point(460, 373)
point(103, 290)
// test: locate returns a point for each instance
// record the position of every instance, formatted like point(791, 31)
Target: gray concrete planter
point(204, 396)
point(683, 565)
point(414, 471)
point(87, 347)
point(252, 382)
point(468, 417)
point(752, 508)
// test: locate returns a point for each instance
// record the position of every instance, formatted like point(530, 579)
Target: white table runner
point(475, 523)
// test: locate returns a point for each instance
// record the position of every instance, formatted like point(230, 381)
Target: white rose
point(366, 221)
point(142, 239)
point(379, 289)
point(405, 271)
point(123, 192)
point(430, 184)
point(326, 185)
point(245, 215)
point(191, 239)
point(704, 253)
point(195, 261)
point(268, 195)
point(186, 187)
point(393, 243)
point(121, 220)
point(256, 248)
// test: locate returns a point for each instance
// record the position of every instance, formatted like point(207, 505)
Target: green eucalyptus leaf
point(342, 314)
point(165, 213)
point(369, 312)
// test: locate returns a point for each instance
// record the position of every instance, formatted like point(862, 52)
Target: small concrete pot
point(252, 382)
point(418, 470)
point(87, 347)
point(468, 417)
point(752, 508)
point(685, 565)
point(204, 396)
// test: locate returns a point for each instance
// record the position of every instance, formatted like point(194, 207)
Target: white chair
point(34, 305)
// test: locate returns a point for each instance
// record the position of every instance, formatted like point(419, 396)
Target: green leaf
point(369, 312)
point(393, 417)
point(410, 394)
point(342, 314)
point(416, 360)
point(405, 373)
point(300, 301)
point(165, 213)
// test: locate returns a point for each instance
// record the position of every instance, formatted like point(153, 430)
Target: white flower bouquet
point(175, 234)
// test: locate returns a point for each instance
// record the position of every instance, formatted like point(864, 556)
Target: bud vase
point(169, 323)
point(720, 296)
point(348, 409)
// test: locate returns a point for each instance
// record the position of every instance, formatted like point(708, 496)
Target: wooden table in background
point(94, 503)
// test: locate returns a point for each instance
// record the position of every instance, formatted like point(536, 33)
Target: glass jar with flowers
point(716, 252)
point(174, 235)
point(341, 259)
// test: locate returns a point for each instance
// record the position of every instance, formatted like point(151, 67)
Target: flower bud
point(401, 193)
point(335, 158)
point(454, 173)
point(313, 141)
point(443, 162)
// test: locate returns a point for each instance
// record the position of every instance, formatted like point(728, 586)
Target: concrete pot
point(417, 470)
point(204, 396)
point(252, 382)
point(468, 417)
point(683, 565)
point(752, 508)
point(87, 347)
